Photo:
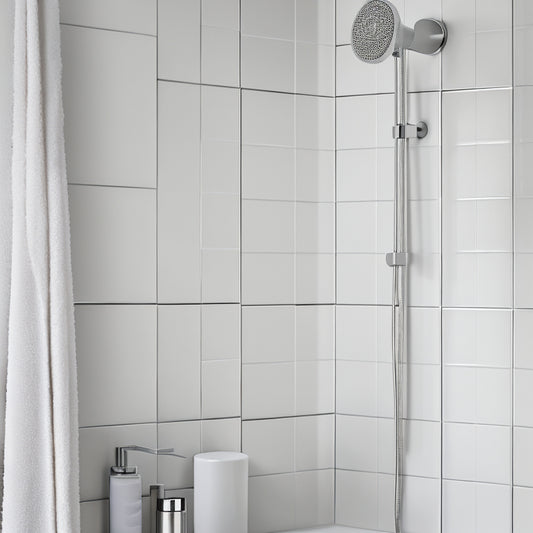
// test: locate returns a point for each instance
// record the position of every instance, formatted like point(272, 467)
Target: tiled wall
point(469, 240)
point(197, 129)
point(230, 166)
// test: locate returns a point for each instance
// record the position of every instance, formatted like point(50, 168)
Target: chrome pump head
point(378, 32)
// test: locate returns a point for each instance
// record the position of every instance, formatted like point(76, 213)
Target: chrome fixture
point(377, 33)
point(167, 515)
point(121, 457)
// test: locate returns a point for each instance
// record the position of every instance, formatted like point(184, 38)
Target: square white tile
point(116, 349)
point(113, 236)
point(109, 87)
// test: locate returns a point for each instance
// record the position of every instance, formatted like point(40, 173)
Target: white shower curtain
point(41, 491)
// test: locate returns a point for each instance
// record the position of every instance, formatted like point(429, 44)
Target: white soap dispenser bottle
point(125, 490)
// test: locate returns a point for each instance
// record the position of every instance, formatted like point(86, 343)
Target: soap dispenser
point(125, 490)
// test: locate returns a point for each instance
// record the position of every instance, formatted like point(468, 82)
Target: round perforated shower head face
point(373, 31)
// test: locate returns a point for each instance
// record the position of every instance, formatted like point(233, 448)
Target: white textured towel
point(41, 492)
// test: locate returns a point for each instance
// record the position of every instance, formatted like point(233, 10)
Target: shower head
point(378, 32)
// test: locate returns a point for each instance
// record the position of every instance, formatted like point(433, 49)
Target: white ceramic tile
point(220, 167)
point(365, 444)
point(94, 516)
point(523, 461)
point(314, 69)
point(477, 453)
point(315, 21)
point(220, 114)
point(221, 435)
point(267, 278)
point(480, 395)
point(523, 36)
point(267, 226)
point(478, 52)
point(364, 227)
point(179, 275)
point(268, 18)
point(363, 333)
point(268, 334)
point(314, 387)
point(363, 279)
point(346, 10)
point(267, 119)
point(523, 338)
point(351, 113)
point(113, 244)
point(354, 77)
point(314, 123)
point(423, 395)
point(314, 175)
point(185, 438)
point(365, 175)
point(138, 16)
point(422, 448)
point(221, 332)
point(374, 496)
point(116, 350)
point(522, 505)
point(477, 337)
point(314, 438)
point(360, 487)
point(315, 228)
point(424, 334)
point(476, 508)
point(221, 13)
point(422, 505)
point(220, 276)
point(179, 40)
point(523, 399)
point(109, 87)
point(357, 388)
point(315, 278)
point(314, 498)
point(523, 284)
point(523, 221)
point(267, 64)
point(220, 221)
point(97, 456)
point(258, 382)
point(481, 224)
point(221, 388)
point(315, 332)
point(268, 173)
point(220, 56)
point(270, 445)
point(266, 493)
point(179, 362)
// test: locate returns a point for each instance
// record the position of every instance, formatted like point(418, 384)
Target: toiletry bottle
point(125, 491)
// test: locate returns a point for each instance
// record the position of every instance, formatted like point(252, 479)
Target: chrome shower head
point(378, 32)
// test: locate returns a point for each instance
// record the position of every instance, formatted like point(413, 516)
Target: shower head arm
point(429, 37)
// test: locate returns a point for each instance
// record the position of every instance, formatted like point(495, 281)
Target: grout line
point(157, 234)
point(109, 186)
point(251, 89)
point(87, 27)
point(513, 271)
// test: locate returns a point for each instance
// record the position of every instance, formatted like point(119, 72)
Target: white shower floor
point(331, 529)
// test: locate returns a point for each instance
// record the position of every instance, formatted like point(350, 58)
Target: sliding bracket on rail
point(410, 131)
point(395, 259)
